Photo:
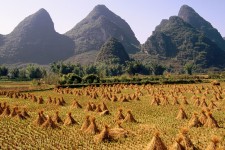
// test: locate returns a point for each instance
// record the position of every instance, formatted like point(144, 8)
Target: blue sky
point(143, 15)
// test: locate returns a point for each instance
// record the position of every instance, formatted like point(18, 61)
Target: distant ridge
point(101, 24)
point(34, 40)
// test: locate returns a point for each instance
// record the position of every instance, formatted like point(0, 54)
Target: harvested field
point(149, 112)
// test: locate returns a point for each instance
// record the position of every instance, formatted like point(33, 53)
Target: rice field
point(120, 116)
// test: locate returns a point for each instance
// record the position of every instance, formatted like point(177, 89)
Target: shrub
point(52, 78)
point(157, 69)
point(73, 78)
point(35, 82)
point(70, 78)
point(92, 78)
point(14, 73)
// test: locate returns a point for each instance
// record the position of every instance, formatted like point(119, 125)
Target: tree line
point(75, 73)
point(25, 73)
point(108, 70)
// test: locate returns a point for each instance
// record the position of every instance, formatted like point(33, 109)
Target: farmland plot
point(113, 117)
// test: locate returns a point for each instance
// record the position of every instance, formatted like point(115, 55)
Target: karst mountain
point(112, 52)
point(103, 36)
point(179, 39)
point(190, 16)
point(99, 25)
point(35, 40)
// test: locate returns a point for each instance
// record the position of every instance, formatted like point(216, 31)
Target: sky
point(142, 15)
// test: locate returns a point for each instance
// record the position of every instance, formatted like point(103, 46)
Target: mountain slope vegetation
point(190, 16)
point(176, 39)
point(101, 24)
point(112, 52)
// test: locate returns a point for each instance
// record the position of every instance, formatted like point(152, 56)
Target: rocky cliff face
point(101, 24)
point(189, 15)
point(35, 40)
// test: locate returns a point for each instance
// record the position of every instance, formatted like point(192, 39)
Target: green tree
point(78, 69)
point(114, 70)
point(66, 68)
point(189, 67)
point(61, 68)
point(55, 66)
point(72, 78)
point(52, 78)
point(34, 72)
point(3, 71)
point(22, 73)
point(134, 67)
point(14, 73)
point(157, 69)
point(91, 69)
point(91, 78)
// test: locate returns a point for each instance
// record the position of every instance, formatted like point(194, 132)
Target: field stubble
point(23, 134)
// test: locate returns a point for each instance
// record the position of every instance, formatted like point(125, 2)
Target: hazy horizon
point(142, 16)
